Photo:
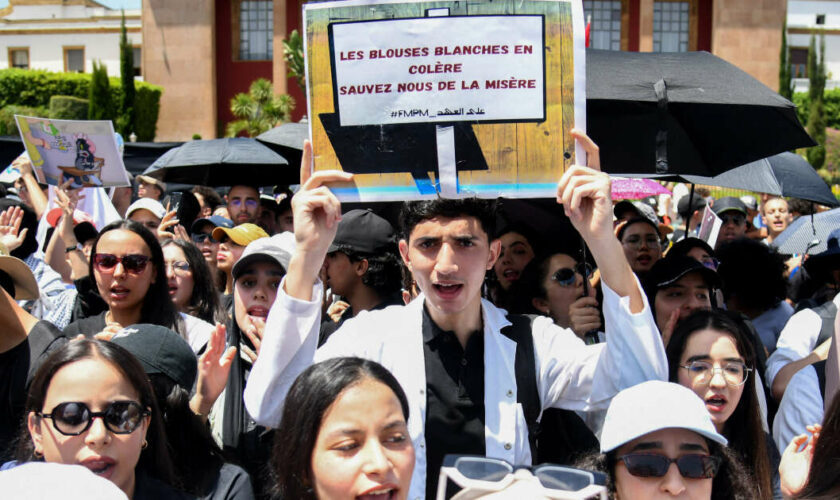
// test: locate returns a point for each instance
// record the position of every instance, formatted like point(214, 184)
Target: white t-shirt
point(198, 331)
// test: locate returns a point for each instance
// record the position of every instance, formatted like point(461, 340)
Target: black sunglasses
point(690, 466)
point(202, 237)
point(120, 417)
point(566, 276)
point(133, 263)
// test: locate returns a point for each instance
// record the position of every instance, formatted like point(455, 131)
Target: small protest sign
point(84, 152)
point(421, 99)
point(710, 226)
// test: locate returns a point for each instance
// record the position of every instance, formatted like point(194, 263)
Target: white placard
point(439, 69)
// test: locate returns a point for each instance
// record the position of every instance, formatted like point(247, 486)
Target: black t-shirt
point(17, 366)
point(86, 326)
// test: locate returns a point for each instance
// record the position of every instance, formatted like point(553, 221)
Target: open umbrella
point(224, 162)
point(628, 188)
point(808, 234)
point(683, 113)
point(784, 174)
point(287, 139)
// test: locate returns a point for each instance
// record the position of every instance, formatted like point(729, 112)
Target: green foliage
point(33, 88)
point(65, 107)
point(259, 110)
point(126, 119)
point(196, 137)
point(293, 54)
point(816, 114)
point(7, 117)
point(100, 106)
point(785, 82)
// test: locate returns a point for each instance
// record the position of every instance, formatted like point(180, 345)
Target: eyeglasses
point(200, 238)
point(690, 466)
point(482, 474)
point(566, 276)
point(650, 241)
point(132, 263)
point(734, 373)
point(249, 203)
point(737, 219)
point(179, 267)
point(119, 417)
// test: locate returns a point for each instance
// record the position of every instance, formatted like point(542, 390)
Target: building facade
point(820, 18)
point(65, 35)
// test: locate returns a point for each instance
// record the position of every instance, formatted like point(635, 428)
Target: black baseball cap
point(160, 350)
point(697, 203)
point(729, 204)
point(363, 231)
point(669, 270)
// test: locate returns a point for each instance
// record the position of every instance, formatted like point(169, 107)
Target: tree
point(785, 83)
point(816, 113)
point(100, 104)
point(293, 54)
point(259, 110)
point(125, 120)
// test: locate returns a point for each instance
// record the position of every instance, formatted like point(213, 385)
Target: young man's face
point(734, 226)
point(243, 203)
point(449, 258)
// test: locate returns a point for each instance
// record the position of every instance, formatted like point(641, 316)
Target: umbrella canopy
point(627, 188)
point(807, 236)
point(224, 162)
point(683, 113)
point(784, 174)
point(287, 139)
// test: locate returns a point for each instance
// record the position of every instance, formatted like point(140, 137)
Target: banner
point(85, 152)
point(421, 99)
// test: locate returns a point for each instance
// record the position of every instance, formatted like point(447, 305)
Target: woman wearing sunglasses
point(711, 354)
point(649, 453)
point(344, 434)
point(130, 273)
point(91, 404)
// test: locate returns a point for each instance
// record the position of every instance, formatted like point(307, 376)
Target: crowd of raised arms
point(265, 344)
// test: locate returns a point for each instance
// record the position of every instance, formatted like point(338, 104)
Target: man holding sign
point(472, 375)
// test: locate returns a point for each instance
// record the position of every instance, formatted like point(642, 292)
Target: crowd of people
point(261, 344)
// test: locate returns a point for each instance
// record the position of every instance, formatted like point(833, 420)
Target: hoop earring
point(145, 445)
point(38, 454)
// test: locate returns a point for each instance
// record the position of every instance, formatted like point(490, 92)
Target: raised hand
point(168, 221)
point(796, 461)
point(254, 332)
point(585, 193)
point(584, 315)
point(10, 234)
point(213, 369)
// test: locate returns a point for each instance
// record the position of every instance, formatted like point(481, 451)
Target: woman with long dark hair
point(315, 456)
point(712, 355)
point(130, 273)
point(91, 404)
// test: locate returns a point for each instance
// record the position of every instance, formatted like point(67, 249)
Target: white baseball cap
point(149, 204)
point(652, 406)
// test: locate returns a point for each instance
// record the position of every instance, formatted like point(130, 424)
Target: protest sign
point(710, 226)
point(460, 99)
point(85, 152)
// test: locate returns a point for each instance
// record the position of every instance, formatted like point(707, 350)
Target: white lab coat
point(570, 374)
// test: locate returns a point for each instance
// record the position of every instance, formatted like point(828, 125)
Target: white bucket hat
point(655, 405)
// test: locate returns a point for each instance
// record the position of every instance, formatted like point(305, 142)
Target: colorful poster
point(454, 99)
point(85, 152)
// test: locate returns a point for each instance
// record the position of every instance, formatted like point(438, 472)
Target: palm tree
point(259, 110)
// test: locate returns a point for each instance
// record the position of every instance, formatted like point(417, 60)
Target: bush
point(831, 103)
point(65, 107)
point(100, 105)
point(33, 88)
point(7, 117)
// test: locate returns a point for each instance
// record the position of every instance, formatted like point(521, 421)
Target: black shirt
point(328, 326)
point(454, 397)
point(86, 326)
point(17, 366)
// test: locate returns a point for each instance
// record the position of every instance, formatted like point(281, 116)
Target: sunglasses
point(200, 238)
point(566, 276)
point(736, 219)
point(119, 417)
point(485, 475)
point(249, 203)
point(132, 263)
point(690, 466)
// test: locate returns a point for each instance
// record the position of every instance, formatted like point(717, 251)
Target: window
point(798, 62)
point(19, 57)
point(136, 58)
point(670, 26)
point(605, 27)
point(820, 19)
point(74, 59)
point(256, 30)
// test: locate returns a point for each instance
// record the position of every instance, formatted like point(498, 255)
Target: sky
point(114, 4)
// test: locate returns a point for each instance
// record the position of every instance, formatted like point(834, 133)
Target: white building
point(65, 35)
point(803, 18)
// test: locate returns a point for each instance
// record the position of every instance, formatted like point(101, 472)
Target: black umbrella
point(808, 234)
point(224, 162)
point(784, 174)
point(287, 139)
point(683, 113)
